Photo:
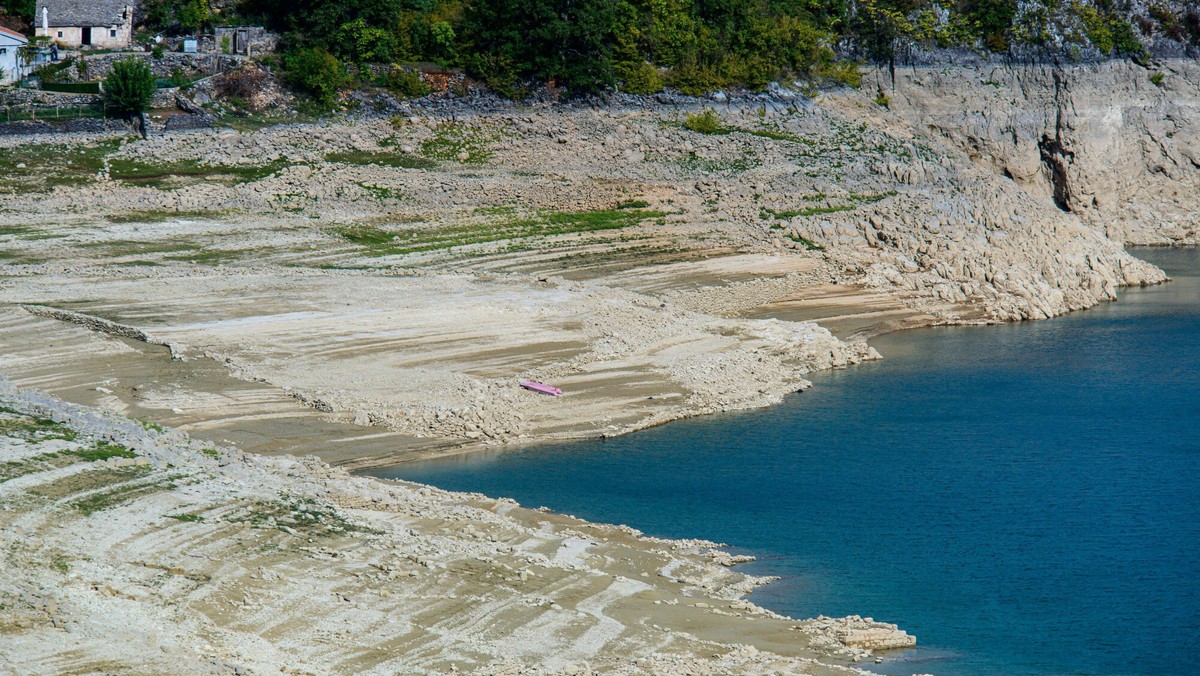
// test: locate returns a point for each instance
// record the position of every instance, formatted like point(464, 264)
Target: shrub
point(407, 83)
point(845, 72)
point(1157, 79)
point(243, 83)
point(707, 122)
point(315, 72)
point(695, 80)
point(180, 79)
point(498, 73)
point(129, 87)
point(639, 78)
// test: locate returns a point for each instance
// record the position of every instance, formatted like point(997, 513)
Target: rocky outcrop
point(1115, 144)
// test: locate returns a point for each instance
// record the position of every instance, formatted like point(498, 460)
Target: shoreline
point(673, 604)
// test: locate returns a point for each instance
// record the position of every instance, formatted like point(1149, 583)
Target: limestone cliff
point(1114, 143)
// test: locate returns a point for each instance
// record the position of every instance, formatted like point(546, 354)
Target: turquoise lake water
point(1025, 499)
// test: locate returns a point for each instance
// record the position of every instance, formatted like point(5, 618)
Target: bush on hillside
point(315, 72)
point(639, 78)
point(406, 83)
point(707, 122)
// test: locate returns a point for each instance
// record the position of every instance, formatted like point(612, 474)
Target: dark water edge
point(1024, 498)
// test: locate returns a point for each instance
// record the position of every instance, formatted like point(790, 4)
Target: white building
point(104, 24)
point(12, 66)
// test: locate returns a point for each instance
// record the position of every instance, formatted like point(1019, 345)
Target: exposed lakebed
point(1024, 498)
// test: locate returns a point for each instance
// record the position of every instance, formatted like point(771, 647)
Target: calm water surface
point(1024, 498)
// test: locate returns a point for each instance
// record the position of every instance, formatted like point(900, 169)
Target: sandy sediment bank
point(651, 272)
point(129, 547)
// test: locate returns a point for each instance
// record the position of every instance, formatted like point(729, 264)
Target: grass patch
point(127, 247)
point(38, 167)
point(301, 515)
point(208, 256)
point(102, 450)
point(856, 199)
point(249, 122)
point(382, 192)
point(808, 211)
point(159, 174)
point(773, 134)
point(60, 563)
point(457, 142)
point(159, 216)
point(380, 158)
point(186, 518)
point(384, 242)
point(500, 210)
point(33, 428)
point(151, 427)
point(694, 164)
point(111, 498)
point(807, 243)
point(633, 204)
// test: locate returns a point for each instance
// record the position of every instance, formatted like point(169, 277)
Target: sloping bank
point(127, 547)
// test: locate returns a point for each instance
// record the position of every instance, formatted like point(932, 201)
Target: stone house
point(103, 24)
point(12, 65)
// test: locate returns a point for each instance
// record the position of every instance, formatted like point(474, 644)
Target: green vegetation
point(32, 428)
point(300, 516)
point(707, 122)
point(854, 198)
point(179, 16)
point(315, 72)
point(406, 83)
point(383, 159)
point(156, 174)
point(382, 192)
point(1157, 79)
point(692, 163)
point(809, 211)
point(123, 492)
point(42, 167)
point(129, 88)
point(160, 216)
point(102, 450)
point(387, 242)
point(186, 518)
point(808, 243)
point(460, 142)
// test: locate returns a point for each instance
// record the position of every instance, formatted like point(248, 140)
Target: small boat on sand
point(541, 387)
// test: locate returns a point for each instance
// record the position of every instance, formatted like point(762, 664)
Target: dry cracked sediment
point(131, 548)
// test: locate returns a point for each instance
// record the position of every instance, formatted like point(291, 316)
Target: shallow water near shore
point(1023, 498)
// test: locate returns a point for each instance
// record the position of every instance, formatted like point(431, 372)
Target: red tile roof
point(14, 34)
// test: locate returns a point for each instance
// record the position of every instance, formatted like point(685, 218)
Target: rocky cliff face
point(1115, 144)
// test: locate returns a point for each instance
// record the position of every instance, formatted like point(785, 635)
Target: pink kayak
point(541, 387)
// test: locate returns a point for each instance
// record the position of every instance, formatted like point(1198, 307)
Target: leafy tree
point(178, 16)
point(366, 44)
point(315, 72)
point(129, 88)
